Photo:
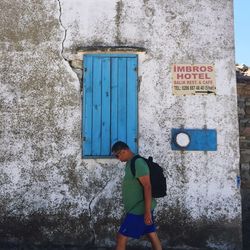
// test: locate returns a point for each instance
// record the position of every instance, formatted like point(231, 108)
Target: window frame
point(134, 85)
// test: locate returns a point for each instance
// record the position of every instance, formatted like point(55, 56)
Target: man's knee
point(155, 241)
point(121, 242)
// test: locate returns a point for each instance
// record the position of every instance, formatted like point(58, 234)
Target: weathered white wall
point(45, 183)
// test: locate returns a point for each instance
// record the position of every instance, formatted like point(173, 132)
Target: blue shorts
point(133, 226)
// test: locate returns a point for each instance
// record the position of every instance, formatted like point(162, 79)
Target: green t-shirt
point(132, 191)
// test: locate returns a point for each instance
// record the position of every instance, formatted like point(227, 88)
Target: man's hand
point(148, 219)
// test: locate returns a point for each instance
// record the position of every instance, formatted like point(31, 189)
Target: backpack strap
point(132, 167)
point(132, 164)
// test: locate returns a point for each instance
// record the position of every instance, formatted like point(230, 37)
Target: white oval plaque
point(182, 139)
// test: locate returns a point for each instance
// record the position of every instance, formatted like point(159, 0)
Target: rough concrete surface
point(49, 194)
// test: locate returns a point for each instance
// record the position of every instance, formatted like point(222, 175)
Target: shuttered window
point(109, 103)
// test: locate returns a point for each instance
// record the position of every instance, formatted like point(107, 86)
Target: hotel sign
point(190, 79)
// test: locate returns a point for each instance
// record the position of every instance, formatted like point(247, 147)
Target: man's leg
point(121, 242)
point(156, 244)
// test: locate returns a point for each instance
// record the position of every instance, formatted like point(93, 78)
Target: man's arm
point(145, 181)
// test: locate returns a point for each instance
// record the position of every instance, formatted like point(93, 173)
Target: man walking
point(137, 199)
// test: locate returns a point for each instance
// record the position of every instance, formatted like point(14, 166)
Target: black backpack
point(157, 178)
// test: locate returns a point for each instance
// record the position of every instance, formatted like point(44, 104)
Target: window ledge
point(115, 49)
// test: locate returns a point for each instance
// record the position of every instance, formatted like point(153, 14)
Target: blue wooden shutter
point(110, 103)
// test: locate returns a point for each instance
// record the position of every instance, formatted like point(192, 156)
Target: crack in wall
point(64, 28)
point(93, 241)
point(76, 69)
